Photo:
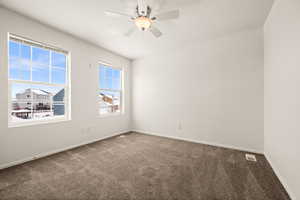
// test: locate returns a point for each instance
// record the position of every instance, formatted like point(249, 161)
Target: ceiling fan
point(143, 18)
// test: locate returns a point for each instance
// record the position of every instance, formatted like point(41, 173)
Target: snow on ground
point(41, 115)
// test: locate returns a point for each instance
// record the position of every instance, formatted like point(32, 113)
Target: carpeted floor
point(142, 167)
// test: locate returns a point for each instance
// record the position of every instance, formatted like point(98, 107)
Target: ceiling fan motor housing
point(143, 13)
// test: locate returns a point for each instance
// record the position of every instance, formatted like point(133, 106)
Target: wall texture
point(210, 92)
point(17, 144)
point(282, 96)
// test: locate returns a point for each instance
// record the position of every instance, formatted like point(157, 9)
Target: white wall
point(209, 92)
point(282, 94)
point(22, 143)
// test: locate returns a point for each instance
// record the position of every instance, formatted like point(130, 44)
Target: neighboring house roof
point(38, 91)
point(106, 95)
point(106, 98)
point(59, 96)
point(42, 92)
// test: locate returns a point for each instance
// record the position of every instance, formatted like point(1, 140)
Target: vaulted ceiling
point(200, 20)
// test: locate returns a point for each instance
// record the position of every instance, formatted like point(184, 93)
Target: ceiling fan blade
point(130, 31)
point(174, 14)
point(155, 31)
point(116, 14)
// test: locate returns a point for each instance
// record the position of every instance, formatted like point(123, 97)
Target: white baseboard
point(41, 155)
point(280, 177)
point(201, 142)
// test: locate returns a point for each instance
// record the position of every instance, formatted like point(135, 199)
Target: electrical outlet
point(88, 130)
point(251, 157)
point(179, 126)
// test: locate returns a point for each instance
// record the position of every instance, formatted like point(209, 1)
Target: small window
point(38, 82)
point(110, 90)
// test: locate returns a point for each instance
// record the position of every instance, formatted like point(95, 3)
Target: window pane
point(108, 83)
point(116, 84)
point(45, 101)
point(13, 69)
point(102, 77)
point(59, 103)
point(109, 102)
point(108, 72)
point(102, 83)
point(24, 73)
point(40, 56)
point(36, 102)
point(58, 60)
point(109, 78)
point(21, 102)
point(116, 73)
point(18, 70)
point(58, 75)
point(59, 109)
point(40, 64)
point(106, 78)
point(40, 73)
point(14, 50)
point(19, 61)
point(25, 53)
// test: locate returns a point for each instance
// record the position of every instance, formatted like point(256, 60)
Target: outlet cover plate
point(250, 157)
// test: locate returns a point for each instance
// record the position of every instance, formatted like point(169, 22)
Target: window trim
point(66, 86)
point(122, 93)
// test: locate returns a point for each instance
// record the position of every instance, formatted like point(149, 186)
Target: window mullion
point(19, 58)
point(30, 63)
point(38, 83)
point(110, 90)
point(50, 67)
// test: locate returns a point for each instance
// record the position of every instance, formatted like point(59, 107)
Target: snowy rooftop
point(42, 92)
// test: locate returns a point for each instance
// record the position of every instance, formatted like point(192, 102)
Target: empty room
point(149, 99)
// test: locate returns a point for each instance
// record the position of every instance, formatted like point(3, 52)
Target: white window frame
point(66, 86)
point(99, 89)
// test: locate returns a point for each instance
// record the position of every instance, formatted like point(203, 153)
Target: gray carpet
point(142, 167)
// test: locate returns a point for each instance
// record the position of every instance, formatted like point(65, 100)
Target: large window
point(110, 90)
point(38, 82)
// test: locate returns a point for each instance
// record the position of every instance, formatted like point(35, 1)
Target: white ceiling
point(200, 20)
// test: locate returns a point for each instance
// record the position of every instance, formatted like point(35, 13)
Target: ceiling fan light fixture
point(143, 18)
point(143, 23)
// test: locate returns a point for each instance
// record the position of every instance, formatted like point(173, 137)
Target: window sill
point(38, 122)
